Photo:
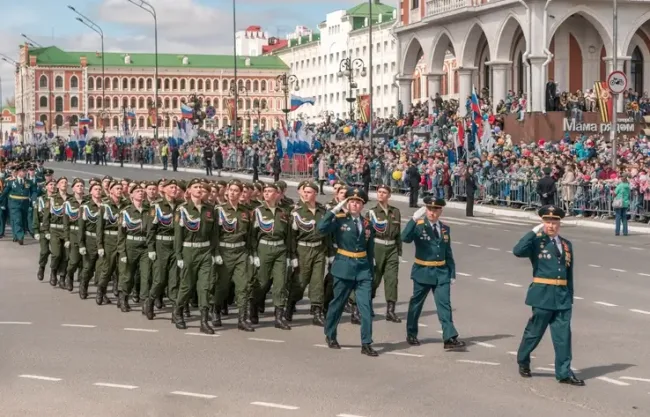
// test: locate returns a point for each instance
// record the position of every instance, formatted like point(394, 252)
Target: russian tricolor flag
point(39, 125)
point(477, 118)
point(130, 115)
point(84, 122)
point(299, 101)
point(186, 111)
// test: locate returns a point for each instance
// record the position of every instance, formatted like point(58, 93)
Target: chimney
point(84, 61)
point(247, 62)
point(32, 61)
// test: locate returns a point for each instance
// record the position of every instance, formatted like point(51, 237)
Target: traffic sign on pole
point(617, 82)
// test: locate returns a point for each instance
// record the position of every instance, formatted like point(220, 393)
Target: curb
point(495, 211)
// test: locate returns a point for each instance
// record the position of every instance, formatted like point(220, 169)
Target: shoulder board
point(341, 215)
point(539, 234)
point(419, 222)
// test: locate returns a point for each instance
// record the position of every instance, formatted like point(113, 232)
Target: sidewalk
point(493, 210)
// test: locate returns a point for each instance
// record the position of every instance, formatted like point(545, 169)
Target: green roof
point(303, 40)
point(12, 110)
point(53, 56)
point(363, 10)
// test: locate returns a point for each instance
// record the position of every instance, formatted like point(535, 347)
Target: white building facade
point(520, 45)
point(317, 58)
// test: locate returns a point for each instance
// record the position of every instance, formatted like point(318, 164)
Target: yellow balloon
point(346, 129)
point(397, 175)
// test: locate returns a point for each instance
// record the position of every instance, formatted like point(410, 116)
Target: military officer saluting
point(352, 268)
point(434, 270)
point(550, 294)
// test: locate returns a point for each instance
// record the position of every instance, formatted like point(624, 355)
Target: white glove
point(180, 264)
point(538, 228)
point(218, 260)
point(152, 255)
point(67, 245)
point(83, 251)
point(251, 260)
point(330, 260)
point(339, 206)
point(294, 263)
point(453, 281)
point(401, 260)
point(37, 236)
point(123, 259)
point(256, 261)
point(47, 236)
point(100, 253)
point(419, 213)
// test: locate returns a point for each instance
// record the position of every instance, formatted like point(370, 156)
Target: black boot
point(280, 323)
point(179, 320)
point(349, 308)
point(318, 319)
point(116, 290)
point(354, 318)
point(242, 322)
point(253, 312)
point(148, 309)
point(69, 284)
point(224, 309)
point(158, 303)
point(99, 297)
point(83, 289)
point(205, 321)
point(123, 302)
point(186, 310)
point(53, 280)
point(390, 313)
point(288, 312)
point(173, 319)
point(216, 317)
point(41, 271)
point(62, 281)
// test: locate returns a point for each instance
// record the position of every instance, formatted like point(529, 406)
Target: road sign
point(617, 82)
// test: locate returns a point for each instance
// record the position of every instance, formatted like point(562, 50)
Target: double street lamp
point(19, 70)
point(346, 69)
point(259, 108)
point(285, 83)
point(235, 91)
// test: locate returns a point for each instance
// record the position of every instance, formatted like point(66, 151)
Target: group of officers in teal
point(215, 244)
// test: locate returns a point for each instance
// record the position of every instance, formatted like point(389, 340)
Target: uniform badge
point(208, 215)
point(153, 212)
point(367, 234)
point(178, 217)
point(244, 216)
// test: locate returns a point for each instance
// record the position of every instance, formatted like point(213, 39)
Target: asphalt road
point(63, 356)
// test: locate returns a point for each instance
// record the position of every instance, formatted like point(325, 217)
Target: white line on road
point(327, 347)
point(131, 329)
point(510, 284)
point(193, 394)
point(412, 355)
point(40, 378)
point(595, 243)
point(462, 274)
point(422, 325)
point(613, 381)
point(497, 249)
point(634, 310)
point(487, 279)
point(614, 245)
point(631, 378)
point(617, 270)
point(594, 266)
point(635, 248)
point(109, 385)
point(255, 339)
point(577, 298)
point(515, 354)
point(478, 362)
point(509, 251)
point(82, 326)
point(475, 246)
point(348, 415)
point(458, 243)
point(273, 405)
point(602, 303)
point(439, 331)
point(644, 275)
point(16, 322)
point(487, 345)
point(545, 369)
point(202, 334)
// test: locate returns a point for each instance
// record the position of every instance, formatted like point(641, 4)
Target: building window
point(116, 123)
point(74, 82)
point(116, 103)
point(116, 84)
point(141, 122)
point(58, 121)
point(133, 81)
point(58, 82)
point(166, 103)
point(256, 86)
point(174, 84)
point(174, 103)
point(224, 85)
point(74, 102)
point(215, 85)
point(91, 103)
point(166, 84)
point(141, 103)
point(58, 104)
point(43, 102)
point(44, 119)
point(133, 101)
point(141, 84)
point(415, 4)
point(183, 85)
point(200, 85)
point(42, 82)
point(107, 102)
point(125, 102)
point(263, 86)
point(99, 83)
point(149, 83)
point(248, 85)
point(192, 85)
point(125, 84)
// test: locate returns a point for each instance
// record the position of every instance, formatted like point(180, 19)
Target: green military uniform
point(91, 218)
point(351, 269)
point(107, 229)
point(53, 226)
point(42, 204)
point(310, 246)
point(18, 193)
point(71, 236)
point(550, 295)
point(433, 270)
point(195, 243)
point(3, 203)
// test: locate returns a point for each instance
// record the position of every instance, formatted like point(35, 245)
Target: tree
point(10, 102)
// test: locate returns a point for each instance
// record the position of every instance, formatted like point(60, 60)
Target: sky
point(184, 26)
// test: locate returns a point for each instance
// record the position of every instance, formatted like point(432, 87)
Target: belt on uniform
point(271, 242)
point(18, 197)
point(430, 263)
point(136, 238)
point(196, 244)
point(110, 232)
point(551, 281)
point(385, 242)
point(91, 234)
point(351, 254)
point(165, 238)
point(74, 227)
point(310, 244)
point(56, 226)
point(232, 245)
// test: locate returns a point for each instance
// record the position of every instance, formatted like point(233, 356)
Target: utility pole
point(613, 131)
point(370, 67)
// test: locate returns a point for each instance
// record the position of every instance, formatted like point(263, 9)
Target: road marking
point(552, 365)
point(16, 322)
point(478, 362)
point(594, 266)
point(109, 385)
point(487, 345)
point(635, 248)
point(602, 303)
point(475, 246)
point(327, 347)
point(497, 249)
point(545, 369)
point(132, 329)
point(506, 230)
point(273, 405)
point(255, 339)
point(487, 279)
point(644, 275)
point(595, 243)
point(613, 381)
point(458, 243)
point(634, 310)
point(40, 378)
point(614, 245)
point(82, 326)
point(510, 284)
point(631, 378)
point(348, 415)
point(463, 274)
point(509, 251)
point(515, 354)
point(422, 325)
point(193, 394)
point(617, 270)
point(412, 355)
point(439, 331)
point(577, 298)
point(202, 334)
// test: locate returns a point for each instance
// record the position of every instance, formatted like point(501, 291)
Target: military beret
point(170, 182)
point(161, 181)
point(259, 185)
point(182, 185)
point(282, 185)
point(61, 179)
point(356, 194)
point(31, 167)
point(384, 187)
point(51, 180)
point(134, 186)
point(222, 183)
point(310, 184)
point(273, 185)
point(78, 181)
point(338, 184)
point(127, 180)
point(434, 203)
point(48, 172)
point(194, 181)
point(114, 184)
point(93, 185)
point(152, 184)
point(107, 178)
point(237, 184)
point(249, 185)
point(551, 212)
point(302, 184)
point(206, 186)
point(546, 170)
point(95, 180)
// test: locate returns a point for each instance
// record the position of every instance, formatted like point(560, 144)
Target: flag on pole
point(299, 101)
point(363, 107)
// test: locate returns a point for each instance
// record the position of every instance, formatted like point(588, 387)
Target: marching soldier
point(285, 201)
point(42, 205)
point(107, 240)
point(550, 295)
point(106, 182)
point(53, 226)
point(195, 243)
point(233, 267)
point(18, 192)
point(160, 242)
point(434, 270)
point(91, 217)
point(271, 241)
point(71, 230)
point(352, 267)
point(151, 190)
point(310, 254)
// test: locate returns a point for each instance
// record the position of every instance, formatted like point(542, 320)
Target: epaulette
point(419, 222)
point(341, 215)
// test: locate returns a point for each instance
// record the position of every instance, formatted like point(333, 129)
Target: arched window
point(240, 84)
point(74, 102)
point(74, 120)
point(141, 84)
point(58, 82)
point(125, 102)
point(116, 83)
point(167, 122)
point(216, 103)
point(58, 120)
point(99, 83)
point(58, 104)
point(116, 123)
point(174, 103)
point(263, 103)
point(107, 102)
point(240, 104)
point(141, 122)
point(91, 103)
point(263, 86)
point(225, 103)
point(224, 85)
point(166, 103)
point(44, 118)
point(42, 102)
point(192, 85)
point(174, 84)
point(256, 86)
point(116, 103)
point(125, 83)
point(159, 84)
point(74, 82)
point(42, 82)
point(183, 85)
point(278, 104)
point(107, 82)
point(133, 83)
point(167, 84)
point(141, 103)
point(636, 71)
point(224, 122)
point(149, 83)
point(91, 83)
point(215, 85)
point(263, 123)
point(248, 104)
point(256, 104)
point(248, 85)
point(208, 102)
point(133, 101)
point(208, 85)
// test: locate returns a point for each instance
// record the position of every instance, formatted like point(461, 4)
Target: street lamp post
point(613, 131)
point(147, 7)
point(19, 70)
point(234, 92)
point(346, 69)
point(33, 43)
point(284, 84)
point(259, 109)
point(97, 29)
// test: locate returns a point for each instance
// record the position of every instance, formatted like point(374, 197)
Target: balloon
point(454, 129)
point(397, 175)
point(347, 129)
point(497, 129)
point(485, 116)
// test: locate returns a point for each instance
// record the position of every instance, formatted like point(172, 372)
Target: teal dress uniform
point(19, 193)
point(550, 295)
point(352, 269)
